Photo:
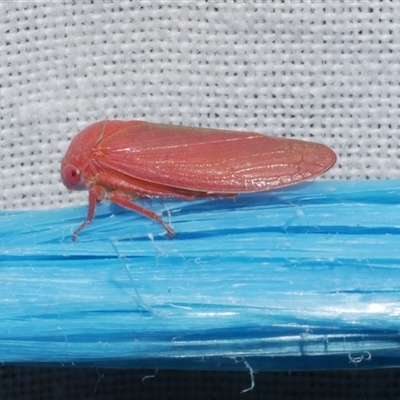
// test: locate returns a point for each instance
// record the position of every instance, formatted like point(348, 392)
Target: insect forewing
point(209, 160)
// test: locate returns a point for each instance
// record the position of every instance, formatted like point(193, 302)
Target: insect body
point(124, 161)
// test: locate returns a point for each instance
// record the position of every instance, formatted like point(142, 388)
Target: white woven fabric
point(325, 71)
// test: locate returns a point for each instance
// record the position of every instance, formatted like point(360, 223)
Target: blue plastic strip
point(306, 277)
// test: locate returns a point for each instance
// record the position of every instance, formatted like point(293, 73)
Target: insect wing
point(208, 160)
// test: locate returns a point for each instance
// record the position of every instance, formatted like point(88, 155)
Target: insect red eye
point(71, 176)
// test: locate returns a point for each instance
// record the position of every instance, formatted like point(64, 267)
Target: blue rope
point(303, 277)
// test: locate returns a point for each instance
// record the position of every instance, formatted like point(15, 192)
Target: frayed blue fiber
point(306, 277)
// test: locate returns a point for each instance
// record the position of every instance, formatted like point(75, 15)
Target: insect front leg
point(96, 194)
point(121, 199)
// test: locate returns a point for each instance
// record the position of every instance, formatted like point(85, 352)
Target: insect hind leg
point(121, 199)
